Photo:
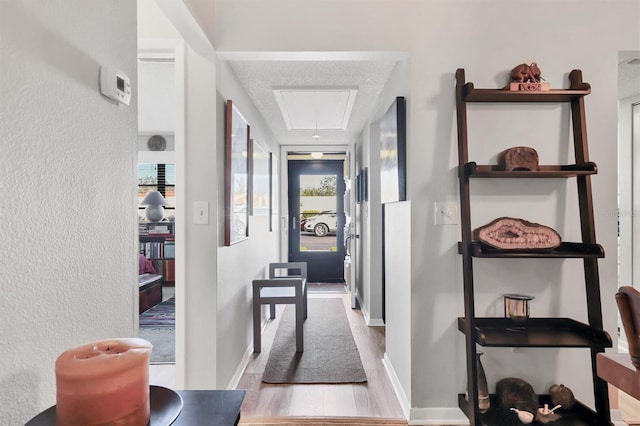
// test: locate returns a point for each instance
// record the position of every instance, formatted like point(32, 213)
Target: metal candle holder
point(516, 306)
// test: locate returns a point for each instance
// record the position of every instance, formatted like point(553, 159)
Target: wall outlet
point(446, 213)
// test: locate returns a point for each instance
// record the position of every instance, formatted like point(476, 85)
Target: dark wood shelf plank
point(546, 171)
point(579, 415)
point(566, 250)
point(537, 332)
point(471, 94)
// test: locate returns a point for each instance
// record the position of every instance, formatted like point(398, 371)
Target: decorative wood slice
point(512, 233)
point(519, 158)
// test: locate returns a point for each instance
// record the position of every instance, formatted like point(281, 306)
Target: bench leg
point(272, 310)
point(304, 301)
point(257, 337)
point(300, 315)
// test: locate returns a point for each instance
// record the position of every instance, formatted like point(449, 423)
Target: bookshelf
point(157, 243)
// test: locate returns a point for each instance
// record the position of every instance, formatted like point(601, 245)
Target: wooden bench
point(281, 288)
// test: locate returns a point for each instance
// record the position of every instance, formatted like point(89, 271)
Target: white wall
point(245, 261)
point(481, 37)
point(68, 165)
point(216, 341)
point(373, 241)
point(397, 234)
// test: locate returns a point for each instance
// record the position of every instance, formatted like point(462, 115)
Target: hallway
point(374, 398)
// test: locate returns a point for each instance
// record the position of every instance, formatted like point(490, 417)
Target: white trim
point(422, 416)
point(438, 416)
point(314, 56)
point(616, 417)
point(244, 362)
point(405, 404)
point(371, 322)
point(180, 16)
point(376, 322)
point(242, 365)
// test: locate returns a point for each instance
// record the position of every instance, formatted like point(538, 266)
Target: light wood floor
point(370, 403)
point(373, 399)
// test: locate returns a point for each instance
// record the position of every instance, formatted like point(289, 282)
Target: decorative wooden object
point(519, 158)
point(512, 233)
point(527, 78)
point(512, 392)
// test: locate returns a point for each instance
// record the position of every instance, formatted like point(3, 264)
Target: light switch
point(446, 213)
point(201, 213)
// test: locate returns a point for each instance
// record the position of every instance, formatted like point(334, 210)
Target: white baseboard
point(422, 416)
point(616, 418)
point(438, 416)
point(242, 365)
point(372, 322)
point(405, 404)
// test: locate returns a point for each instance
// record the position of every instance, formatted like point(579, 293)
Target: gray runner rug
point(330, 353)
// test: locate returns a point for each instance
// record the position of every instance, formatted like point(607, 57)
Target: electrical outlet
point(446, 213)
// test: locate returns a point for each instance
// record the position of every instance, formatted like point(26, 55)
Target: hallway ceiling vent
point(316, 108)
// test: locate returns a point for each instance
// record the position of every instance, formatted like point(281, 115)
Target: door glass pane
point(318, 219)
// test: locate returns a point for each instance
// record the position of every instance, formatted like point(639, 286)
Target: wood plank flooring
point(371, 403)
point(373, 399)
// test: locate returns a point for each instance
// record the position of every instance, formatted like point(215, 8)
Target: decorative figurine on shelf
point(516, 394)
point(519, 234)
point(524, 73)
point(563, 396)
point(526, 77)
point(546, 415)
point(519, 158)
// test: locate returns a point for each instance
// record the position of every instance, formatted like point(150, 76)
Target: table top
point(196, 407)
point(210, 407)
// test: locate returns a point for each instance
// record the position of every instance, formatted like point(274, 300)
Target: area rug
point(163, 315)
point(157, 325)
point(327, 288)
point(330, 353)
point(164, 344)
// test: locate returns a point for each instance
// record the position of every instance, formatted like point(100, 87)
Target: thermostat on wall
point(115, 84)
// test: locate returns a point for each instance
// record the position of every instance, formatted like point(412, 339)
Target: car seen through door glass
point(322, 224)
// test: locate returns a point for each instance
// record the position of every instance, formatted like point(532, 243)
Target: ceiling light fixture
point(316, 135)
point(316, 155)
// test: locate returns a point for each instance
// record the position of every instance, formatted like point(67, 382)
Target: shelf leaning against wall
point(537, 332)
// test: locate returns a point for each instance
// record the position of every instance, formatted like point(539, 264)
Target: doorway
point(316, 217)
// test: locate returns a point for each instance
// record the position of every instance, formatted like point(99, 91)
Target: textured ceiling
point(628, 75)
point(259, 78)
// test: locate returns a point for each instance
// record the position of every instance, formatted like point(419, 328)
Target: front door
point(316, 217)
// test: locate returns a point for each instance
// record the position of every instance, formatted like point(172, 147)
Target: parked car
point(322, 224)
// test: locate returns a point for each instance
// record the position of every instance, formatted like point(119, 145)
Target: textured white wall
point(68, 266)
point(245, 261)
point(485, 38)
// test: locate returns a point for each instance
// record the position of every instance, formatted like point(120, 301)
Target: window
point(159, 177)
